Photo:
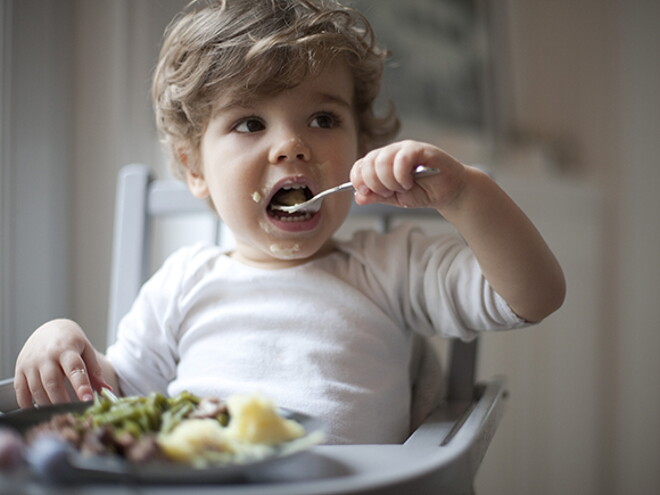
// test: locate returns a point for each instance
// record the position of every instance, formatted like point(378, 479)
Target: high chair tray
point(441, 456)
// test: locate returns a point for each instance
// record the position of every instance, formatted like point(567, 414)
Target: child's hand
point(56, 352)
point(384, 175)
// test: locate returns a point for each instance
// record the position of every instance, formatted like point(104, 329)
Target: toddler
point(267, 102)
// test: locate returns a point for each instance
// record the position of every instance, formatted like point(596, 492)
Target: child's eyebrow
point(336, 99)
point(322, 98)
point(232, 105)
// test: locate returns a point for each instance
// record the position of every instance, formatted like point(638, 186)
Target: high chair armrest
point(459, 421)
point(441, 456)
point(7, 396)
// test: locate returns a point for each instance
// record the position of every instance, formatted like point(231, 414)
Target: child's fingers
point(385, 175)
point(404, 161)
point(53, 381)
point(76, 372)
point(36, 389)
point(23, 394)
point(375, 181)
point(370, 187)
point(374, 175)
point(388, 171)
point(94, 368)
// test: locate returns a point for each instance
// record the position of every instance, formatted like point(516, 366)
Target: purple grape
point(12, 449)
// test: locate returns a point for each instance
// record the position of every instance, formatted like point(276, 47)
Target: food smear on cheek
point(257, 197)
point(265, 226)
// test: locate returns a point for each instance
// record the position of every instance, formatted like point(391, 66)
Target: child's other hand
point(56, 352)
point(384, 175)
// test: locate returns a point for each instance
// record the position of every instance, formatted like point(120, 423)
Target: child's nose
point(290, 148)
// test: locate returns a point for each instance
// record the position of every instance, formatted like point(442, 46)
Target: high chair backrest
point(141, 199)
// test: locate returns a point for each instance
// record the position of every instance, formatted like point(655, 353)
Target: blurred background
point(559, 99)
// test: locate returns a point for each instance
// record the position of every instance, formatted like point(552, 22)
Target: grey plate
point(57, 461)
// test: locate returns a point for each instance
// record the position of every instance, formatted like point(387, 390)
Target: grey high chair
point(440, 456)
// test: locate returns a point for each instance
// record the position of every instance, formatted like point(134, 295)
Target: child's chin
point(286, 251)
point(300, 251)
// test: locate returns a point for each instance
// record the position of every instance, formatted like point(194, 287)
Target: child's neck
point(274, 263)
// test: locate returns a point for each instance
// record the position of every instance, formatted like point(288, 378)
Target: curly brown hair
point(248, 48)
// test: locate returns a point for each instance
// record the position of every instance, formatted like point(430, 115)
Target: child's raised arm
point(511, 253)
point(56, 352)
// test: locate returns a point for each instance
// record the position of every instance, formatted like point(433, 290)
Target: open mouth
point(289, 195)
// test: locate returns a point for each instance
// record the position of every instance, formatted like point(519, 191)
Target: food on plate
point(255, 420)
point(188, 429)
point(254, 427)
point(11, 449)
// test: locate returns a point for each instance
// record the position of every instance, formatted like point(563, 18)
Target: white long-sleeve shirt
point(335, 338)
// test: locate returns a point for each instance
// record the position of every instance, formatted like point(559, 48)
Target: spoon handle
point(419, 172)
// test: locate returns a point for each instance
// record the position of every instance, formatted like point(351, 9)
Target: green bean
point(107, 393)
point(130, 427)
point(185, 396)
point(117, 414)
point(223, 418)
point(139, 415)
point(174, 416)
point(157, 401)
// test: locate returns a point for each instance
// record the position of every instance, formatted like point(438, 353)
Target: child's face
point(306, 136)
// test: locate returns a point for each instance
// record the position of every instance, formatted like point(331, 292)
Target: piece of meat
point(209, 407)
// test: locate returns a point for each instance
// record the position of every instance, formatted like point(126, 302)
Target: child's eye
point(251, 124)
point(325, 120)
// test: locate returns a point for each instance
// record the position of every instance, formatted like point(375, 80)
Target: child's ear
point(194, 177)
point(197, 184)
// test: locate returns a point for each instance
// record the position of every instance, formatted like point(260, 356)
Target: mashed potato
point(255, 419)
point(254, 429)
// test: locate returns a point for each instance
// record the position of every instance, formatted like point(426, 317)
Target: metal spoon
point(314, 204)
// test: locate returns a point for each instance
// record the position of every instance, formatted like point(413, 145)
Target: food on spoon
point(290, 196)
point(197, 431)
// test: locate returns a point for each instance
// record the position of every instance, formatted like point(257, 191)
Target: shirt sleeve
point(434, 284)
point(145, 354)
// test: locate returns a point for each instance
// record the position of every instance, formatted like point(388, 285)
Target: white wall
point(636, 399)
point(117, 44)
point(36, 158)
point(586, 77)
point(6, 345)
